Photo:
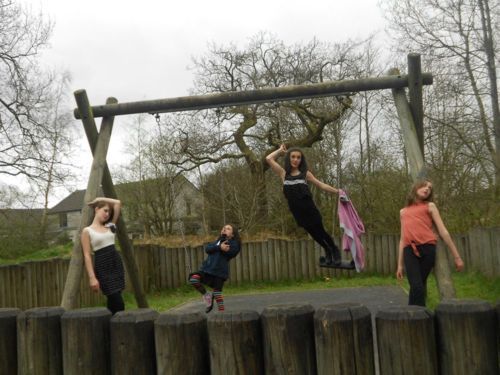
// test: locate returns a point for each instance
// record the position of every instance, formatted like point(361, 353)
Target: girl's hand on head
point(283, 148)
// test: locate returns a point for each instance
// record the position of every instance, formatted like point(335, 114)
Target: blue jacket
point(217, 262)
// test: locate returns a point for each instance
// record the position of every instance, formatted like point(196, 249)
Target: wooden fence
point(40, 283)
point(459, 338)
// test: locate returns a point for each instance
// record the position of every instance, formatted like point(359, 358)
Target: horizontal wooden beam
point(236, 98)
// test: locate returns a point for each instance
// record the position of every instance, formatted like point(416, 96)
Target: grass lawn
point(467, 285)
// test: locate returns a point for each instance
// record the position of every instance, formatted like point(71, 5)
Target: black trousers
point(115, 302)
point(418, 269)
point(321, 236)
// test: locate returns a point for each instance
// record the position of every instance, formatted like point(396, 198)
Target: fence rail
point(459, 338)
point(40, 283)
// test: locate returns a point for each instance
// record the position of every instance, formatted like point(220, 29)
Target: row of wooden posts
point(41, 283)
point(461, 337)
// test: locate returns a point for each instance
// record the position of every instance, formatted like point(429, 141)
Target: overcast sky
point(138, 50)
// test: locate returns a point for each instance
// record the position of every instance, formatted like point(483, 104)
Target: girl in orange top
point(417, 246)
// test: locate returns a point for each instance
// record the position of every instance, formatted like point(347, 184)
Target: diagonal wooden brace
point(99, 143)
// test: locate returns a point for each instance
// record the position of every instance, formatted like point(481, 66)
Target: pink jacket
point(352, 227)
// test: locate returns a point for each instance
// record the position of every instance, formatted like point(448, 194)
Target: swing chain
point(157, 117)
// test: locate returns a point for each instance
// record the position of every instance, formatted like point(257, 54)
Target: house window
point(63, 220)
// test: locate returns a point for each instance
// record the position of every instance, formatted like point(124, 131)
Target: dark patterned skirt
point(109, 270)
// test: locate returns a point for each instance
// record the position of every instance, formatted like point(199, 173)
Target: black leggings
point(115, 302)
point(320, 235)
point(417, 271)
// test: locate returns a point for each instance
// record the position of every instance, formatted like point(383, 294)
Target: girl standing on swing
point(295, 176)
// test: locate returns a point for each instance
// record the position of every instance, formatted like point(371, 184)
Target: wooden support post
point(417, 170)
point(406, 340)
point(39, 347)
point(8, 340)
point(235, 343)
point(133, 342)
point(415, 93)
point(344, 341)
point(85, 341)
point(181, 343)
point(415, 153)
point(75, 270)
point(108, 189)
point(289, 339)
point(467, 342)
point(265, 95)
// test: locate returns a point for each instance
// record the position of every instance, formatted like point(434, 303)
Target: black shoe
point(328, 259)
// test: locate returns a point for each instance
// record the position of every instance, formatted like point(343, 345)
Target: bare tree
point(155, 194)
point(24, 90)
point(460, 34)
point(249, 133)
point(56, 148)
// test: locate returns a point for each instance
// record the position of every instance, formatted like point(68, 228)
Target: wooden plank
point(251, 261)
point(265, 261)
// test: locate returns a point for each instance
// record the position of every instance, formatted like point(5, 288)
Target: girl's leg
point(417, 271)
point(195, 280)
point(219, 298)
point(115, 302)
point(321, 236)
point(427, 262)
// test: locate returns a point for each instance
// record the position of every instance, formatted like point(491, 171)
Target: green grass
point(467, 285)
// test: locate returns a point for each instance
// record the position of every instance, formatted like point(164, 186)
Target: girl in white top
point(106, 272)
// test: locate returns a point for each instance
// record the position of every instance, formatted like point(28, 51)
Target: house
point(153, 207)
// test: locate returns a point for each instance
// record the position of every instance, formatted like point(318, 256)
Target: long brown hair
point(412, 195)
point(303, 163)
point(236, 233)
point(100, 204)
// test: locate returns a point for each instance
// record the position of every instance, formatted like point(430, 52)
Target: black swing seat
point(344, 265)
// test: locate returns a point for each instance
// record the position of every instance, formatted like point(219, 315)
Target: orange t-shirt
point(416, 222)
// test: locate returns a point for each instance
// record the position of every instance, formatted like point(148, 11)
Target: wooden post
point(75, 270)
point(39, 341)
point(133, 342)
point(417, 170)
point(235, 343)
point(344, 340)
point(415, 85)
point(415, 153)
point(8, 340)
point(108, 189)
point(265, 95)
point(467, 342)
point(85, 341)
point(406, 341)
point(288, 332)
point(181, 343)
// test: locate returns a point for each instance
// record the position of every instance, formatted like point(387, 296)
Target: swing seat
point(344, 265)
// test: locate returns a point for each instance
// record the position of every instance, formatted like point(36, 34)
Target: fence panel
point(41, 283)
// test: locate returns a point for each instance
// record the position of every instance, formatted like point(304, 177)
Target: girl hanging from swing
point(214, 271)
point(295, 177)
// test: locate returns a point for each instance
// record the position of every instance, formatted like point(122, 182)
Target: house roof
point(72, 202)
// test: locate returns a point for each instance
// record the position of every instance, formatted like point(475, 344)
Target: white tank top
point(100, 240)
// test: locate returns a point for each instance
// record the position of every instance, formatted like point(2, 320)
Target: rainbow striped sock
point(219, 299)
